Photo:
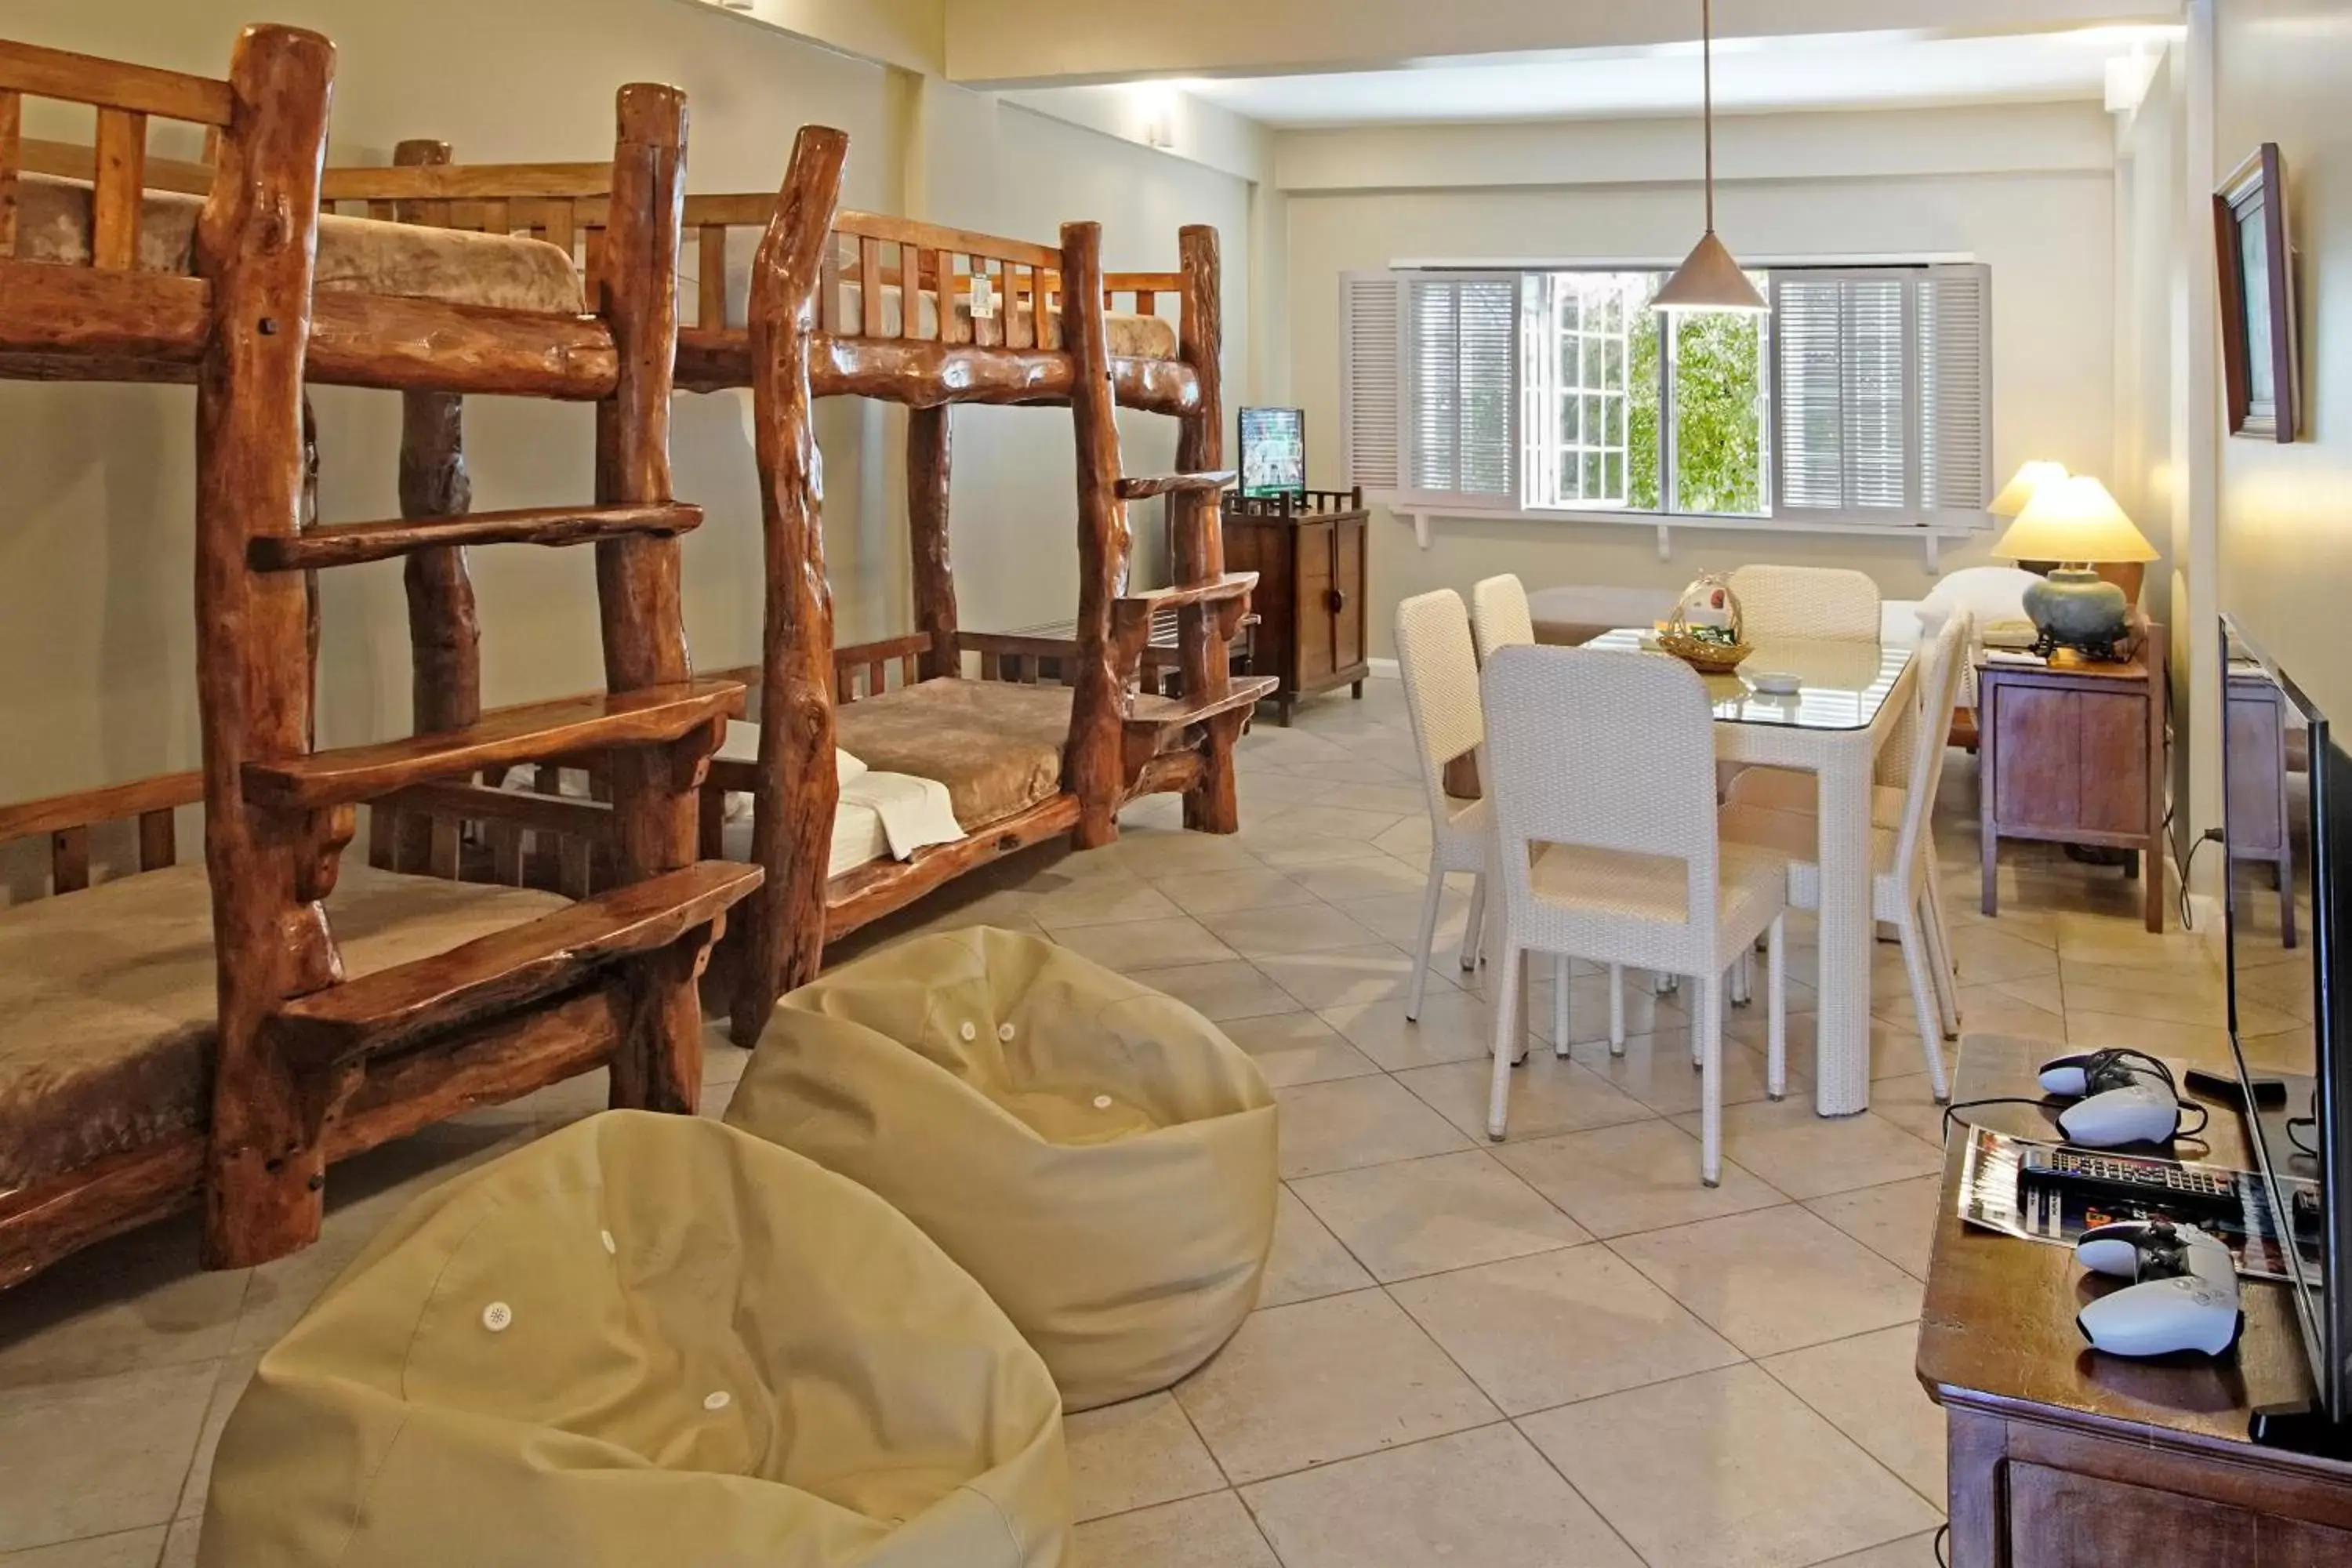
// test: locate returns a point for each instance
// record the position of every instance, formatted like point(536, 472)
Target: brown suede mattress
point(107, 999)
point(355, 254)
point(996, 745)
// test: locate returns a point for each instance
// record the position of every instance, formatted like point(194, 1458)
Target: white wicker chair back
point(1499, 607)
point(1440, 669)
point(1824, 602)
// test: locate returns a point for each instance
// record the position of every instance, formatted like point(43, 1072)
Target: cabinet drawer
point(2071, 760)
point(2061, 1520)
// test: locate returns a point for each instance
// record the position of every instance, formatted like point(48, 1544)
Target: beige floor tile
point(1396, 919)
point(2096, 1031)
point(2189, 982)
point(228, 1387)
point(1986, 953)
point(135, 1300)
point(1157, 852)
point(1646, 1013)
point(1298, 1047)
point(2205, 1012)
point(1305, 928)
point(1561, 1326)
point(179, 1545)
point(1308, 1261)
point(1806, 1155)
point(1377, 876)
point(1208, 893)
point(1425, 1216)
point(1868, 1390)
point(2122, 942)
point(1549, 1095)
point(100, 1455)
point(1897, 1221)
point(1326, 1380)
point(1295, 848)
point(1322, 818)
point(1453, 1027)
point(1130, 945)
point(1136, 1454)
point(1728, 1469)
point(1409, 841)
point(1641, 1175)
point(1357, 1122)
point(1911, 1552)
point(1213, 1532)
point(1656, 1070)
point(1909, 1102)
point(1102, 901)
point(124, 1548)
point(1221, 992)
point(1484, 1497)
point(1776, 1279)
point(1350, 976)
point(1396, 799)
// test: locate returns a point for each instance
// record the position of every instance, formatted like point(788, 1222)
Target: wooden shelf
point(1162, 714)
point(1144, 487)
point(504, 736)
point(393, 1006)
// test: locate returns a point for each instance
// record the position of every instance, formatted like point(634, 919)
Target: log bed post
point(1211, 805)
point(657, 1065)
point(255, 247)
point(444, 633)
point(928, 462)
point(1095, 768)
point(796, 788)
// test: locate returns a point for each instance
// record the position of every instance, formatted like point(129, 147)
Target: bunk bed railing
point(71, 823)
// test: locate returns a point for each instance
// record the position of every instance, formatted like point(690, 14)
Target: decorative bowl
point(1774, 682)
point(1705, 655)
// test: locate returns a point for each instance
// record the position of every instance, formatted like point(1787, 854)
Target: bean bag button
point(969, 1031)
point(1111, 1184)
point(718, 1399)
point(496, 1316)
point(611, 1246)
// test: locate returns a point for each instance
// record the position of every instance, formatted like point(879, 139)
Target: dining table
point(1852, 700)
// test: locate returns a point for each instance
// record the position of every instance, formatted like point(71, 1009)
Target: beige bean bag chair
point(1098, 1155)
point(646, 1339)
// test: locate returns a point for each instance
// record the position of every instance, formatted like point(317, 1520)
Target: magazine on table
point(1992, 1198)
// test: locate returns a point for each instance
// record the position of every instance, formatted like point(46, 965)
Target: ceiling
point(1821, 70)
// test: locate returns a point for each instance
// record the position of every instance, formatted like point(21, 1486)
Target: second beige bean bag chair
point(646, 1339)
point(1098, 1155)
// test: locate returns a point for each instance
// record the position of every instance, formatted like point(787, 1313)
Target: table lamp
point(2076, 522)
point(2029, 479)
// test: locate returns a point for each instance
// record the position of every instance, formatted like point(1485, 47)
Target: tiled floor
point(1559, 1349)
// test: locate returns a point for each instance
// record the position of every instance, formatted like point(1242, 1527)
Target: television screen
point(2287, 811)
point(1273, 451)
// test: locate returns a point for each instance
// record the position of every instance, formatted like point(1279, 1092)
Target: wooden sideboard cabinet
point(2062, 1457)
point(1309, 551)
point(2073, 752)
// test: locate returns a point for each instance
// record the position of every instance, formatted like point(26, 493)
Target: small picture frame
point(2261, 355)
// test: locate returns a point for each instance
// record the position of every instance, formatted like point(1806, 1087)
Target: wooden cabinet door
point(2112, 793)
point(1350, 645)
point(2061, 1520)
point(2038, 758)
point(1312, 620)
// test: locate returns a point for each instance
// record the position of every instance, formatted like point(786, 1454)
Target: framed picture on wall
point(2261, 360)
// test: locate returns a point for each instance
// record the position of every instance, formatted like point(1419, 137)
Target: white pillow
point(742, 745)
point(1989, 593)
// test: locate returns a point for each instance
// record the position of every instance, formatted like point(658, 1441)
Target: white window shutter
point(1956, 387)
point(1462, 389)
point(1372, 324)
point(1809, 391)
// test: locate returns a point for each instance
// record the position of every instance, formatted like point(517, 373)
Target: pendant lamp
point(1709, 279)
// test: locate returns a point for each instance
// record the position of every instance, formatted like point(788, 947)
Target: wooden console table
point(1310, 554)
point(2072, 752)
point(2063, 1457)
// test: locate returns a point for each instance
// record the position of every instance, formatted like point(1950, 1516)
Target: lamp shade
point(1708, 279)
point(2021, 486)
point(2073, 520)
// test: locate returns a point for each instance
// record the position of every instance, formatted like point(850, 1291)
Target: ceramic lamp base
point(2075, 607)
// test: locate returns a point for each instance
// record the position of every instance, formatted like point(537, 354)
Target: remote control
point(2142, 1183)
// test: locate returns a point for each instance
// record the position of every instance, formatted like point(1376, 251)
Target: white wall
point(96, 544)
point(2047, 234)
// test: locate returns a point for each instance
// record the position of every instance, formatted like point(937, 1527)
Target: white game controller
point(2120, 1097)
point(2185, 1298)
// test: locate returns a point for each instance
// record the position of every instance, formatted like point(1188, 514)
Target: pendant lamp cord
point(1706, 70)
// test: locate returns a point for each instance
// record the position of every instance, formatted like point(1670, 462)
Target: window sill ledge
point(1928, 530)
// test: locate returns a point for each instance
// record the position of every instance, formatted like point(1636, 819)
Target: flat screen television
point(2286, 809)
point(1273, 451)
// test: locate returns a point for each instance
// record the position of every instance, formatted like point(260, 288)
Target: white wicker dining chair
point(1441, 693)
point(1501, 618)
point(1601, 768)
point(1828, 603)
point(1903, 888)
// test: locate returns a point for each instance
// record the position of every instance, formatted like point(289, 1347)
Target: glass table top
point(1841, 685)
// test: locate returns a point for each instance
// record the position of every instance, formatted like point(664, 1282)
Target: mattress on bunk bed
point(1131, 336)
point(355, 254)
point(996, 745)
point(107, 999)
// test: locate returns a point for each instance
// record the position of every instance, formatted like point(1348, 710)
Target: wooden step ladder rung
point(351, 543)
point(533, 731)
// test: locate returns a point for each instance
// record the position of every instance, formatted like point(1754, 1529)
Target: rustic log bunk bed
point(175, 1034)
point(992, 320)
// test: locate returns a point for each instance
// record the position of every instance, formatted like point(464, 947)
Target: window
point(1861, 398)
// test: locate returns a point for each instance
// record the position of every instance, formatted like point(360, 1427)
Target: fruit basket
point(1706, 631)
